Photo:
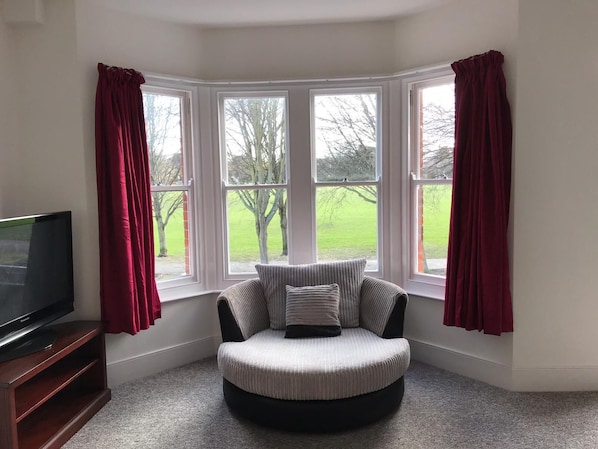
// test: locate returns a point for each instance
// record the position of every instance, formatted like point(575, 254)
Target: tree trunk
point(282, 212)
point(263, 237)
point(261, 227)
point(160, 222)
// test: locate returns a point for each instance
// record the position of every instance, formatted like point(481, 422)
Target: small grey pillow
point(348, 274)
point(312, 311)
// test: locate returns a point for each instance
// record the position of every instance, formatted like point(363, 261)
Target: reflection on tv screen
point(14, 256)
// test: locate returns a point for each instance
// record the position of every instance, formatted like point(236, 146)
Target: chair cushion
point(354, 363)
point(312, 311)
point(347, 274)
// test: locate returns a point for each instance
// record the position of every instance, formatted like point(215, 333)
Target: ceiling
point(229, 13)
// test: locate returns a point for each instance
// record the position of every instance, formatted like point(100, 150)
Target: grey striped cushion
point(312, 311)
point(347, 274)
point(354, 363)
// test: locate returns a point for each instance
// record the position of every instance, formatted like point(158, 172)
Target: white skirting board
point(493, 373)
point(143, 365)
point(584, 378)
point(577, 378)
point(466, 365)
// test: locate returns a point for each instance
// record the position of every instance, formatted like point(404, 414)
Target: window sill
point(183, 292)
point(424, 289)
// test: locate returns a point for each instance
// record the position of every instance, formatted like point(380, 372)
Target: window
point(167, 122)
point(299, 172)
point(253, 152)
point(431, 145)
point(333, 212)
point(345, 143)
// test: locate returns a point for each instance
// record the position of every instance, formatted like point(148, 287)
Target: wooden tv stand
point(47, 396)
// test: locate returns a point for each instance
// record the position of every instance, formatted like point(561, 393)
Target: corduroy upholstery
point(312, 311)
point(347, 274)
point(263, 370)
point(245, 306)
point(379, 301)
point(352, 364)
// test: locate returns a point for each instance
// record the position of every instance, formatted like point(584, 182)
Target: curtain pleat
point(128, 293)
point(478, 295)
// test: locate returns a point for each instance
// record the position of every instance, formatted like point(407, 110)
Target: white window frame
point(190, 285)
point(394, 183)
point(428, 285)
point(301, 185)
point(377, 181)
point(226, 187)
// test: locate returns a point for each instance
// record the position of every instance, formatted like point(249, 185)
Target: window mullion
point(301, 193)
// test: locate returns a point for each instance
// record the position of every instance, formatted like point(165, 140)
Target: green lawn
point(437, 209)
point(345, 229)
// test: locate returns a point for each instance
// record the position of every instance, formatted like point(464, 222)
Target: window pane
point(347, 224)
point(345, 137)
point(171, 235)
point(434, 203)
point(164, 138)
point(437, 131)
point(257, 228)
point(255, 135)
point(171, 209)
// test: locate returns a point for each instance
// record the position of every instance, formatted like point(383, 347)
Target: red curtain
point(128, 292)
point(478, 294)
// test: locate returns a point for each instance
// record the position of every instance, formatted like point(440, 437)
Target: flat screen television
point(36, 280)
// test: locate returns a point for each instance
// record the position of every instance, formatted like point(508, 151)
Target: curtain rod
point(200, 82)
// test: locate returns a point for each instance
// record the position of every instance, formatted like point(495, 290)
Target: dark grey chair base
point(315, 416)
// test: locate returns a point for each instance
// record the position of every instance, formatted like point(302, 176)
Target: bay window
point(301, 172)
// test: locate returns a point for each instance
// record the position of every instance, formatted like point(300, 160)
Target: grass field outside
point(437, 210)
point(346, 229)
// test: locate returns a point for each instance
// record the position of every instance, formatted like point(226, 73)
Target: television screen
point(36, 273)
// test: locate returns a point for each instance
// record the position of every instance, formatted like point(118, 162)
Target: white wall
point(8, 105)
point(127, 41)
point(298, 52)
point(550, 79)
point(119, 39)
point(551, 66)
point(457, 30)
point(462, 28)
point(187, 330)
point(556, 196)
point(52, 165)
point(47, 168)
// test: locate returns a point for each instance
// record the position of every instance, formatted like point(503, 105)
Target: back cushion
point(347, 274)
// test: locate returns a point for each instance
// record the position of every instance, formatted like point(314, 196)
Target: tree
point(255, 147)
point(163, 132)
point(346, 128)
point(347, 124)
point(437, 152)
point(439, 126)
point(346, 136)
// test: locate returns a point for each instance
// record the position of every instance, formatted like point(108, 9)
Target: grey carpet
point(183, 408)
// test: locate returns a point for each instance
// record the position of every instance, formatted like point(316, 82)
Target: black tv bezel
point(17, 330)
